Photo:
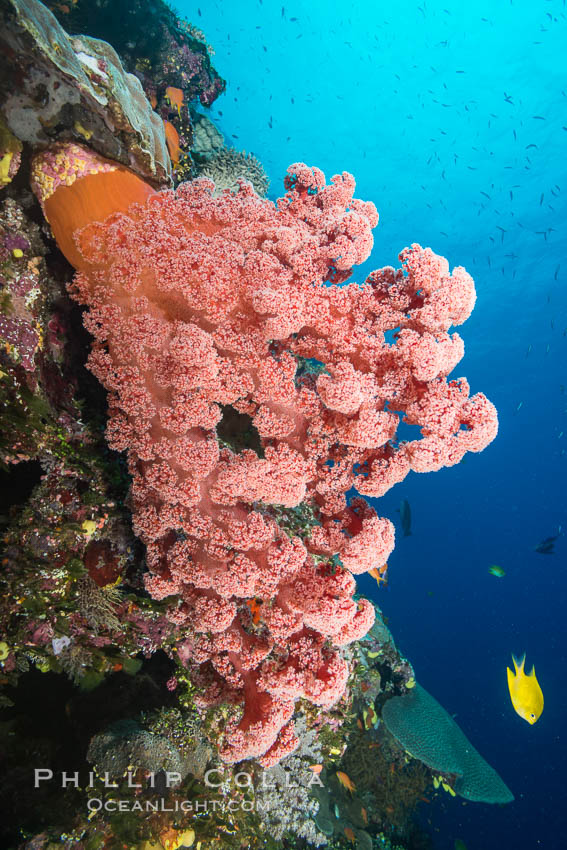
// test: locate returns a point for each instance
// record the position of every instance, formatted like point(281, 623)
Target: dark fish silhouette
point(405, 516)
point(546, 547)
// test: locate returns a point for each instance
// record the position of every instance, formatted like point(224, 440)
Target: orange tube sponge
point(172, 141)
point(76, 186)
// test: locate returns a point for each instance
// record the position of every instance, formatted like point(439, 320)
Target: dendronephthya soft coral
point(197, 302)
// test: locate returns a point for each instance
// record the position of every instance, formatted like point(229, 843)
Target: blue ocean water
point(453, 118)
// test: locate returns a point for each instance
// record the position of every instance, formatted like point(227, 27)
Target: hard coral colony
point(197, 302)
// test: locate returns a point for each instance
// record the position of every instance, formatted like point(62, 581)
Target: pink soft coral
point(197, 302)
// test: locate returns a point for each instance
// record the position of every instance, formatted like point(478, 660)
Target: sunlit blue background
point(452, 117)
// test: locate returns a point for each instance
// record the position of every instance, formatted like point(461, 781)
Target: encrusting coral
point(197, 302)
point(227, 167)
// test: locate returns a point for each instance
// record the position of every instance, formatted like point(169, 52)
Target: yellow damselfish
point(525, 692)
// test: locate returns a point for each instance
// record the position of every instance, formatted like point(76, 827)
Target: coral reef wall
point(181, 537)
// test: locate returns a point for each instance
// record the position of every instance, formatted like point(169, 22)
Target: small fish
point(175, 97)
point(316, 768)
point(525, 692)
point(497, 571)
point(349, 834)
point(364, 814)
point(345, 781)
point(405, 516)
point(546, 547)
point(379, 574)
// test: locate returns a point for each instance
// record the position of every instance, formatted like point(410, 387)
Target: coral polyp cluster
point(197, 302)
